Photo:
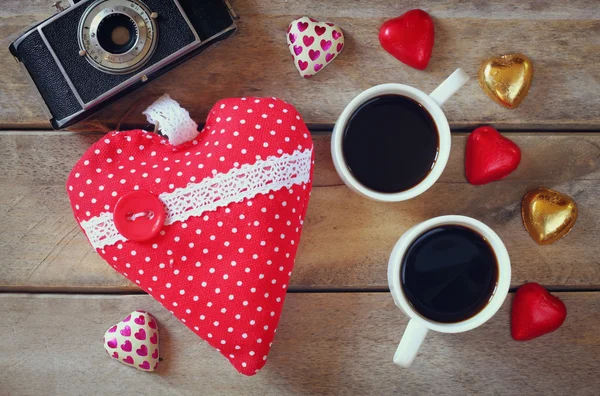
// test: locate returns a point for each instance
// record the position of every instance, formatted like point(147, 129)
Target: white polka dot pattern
point(225, 273)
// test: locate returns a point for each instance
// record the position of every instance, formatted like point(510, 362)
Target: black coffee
point(449, 274)
point(390, 143)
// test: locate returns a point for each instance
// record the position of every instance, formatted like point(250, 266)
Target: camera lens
point(117, 36)
point(117, 33)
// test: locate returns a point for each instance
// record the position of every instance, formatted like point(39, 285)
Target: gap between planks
point(296, 290)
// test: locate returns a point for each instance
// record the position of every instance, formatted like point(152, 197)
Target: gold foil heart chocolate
point(548, 215)
point(506, 79)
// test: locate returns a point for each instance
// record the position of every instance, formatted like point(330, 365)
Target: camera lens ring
point(117, 34)
point(97, 30)
point(114, 59)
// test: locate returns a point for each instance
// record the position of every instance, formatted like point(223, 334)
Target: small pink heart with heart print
point(313, 55)
point(145, 365)
point(141, 335)
point(127, 319)
point(142, 351)
point(133, 336)
point(126, 346)
point(309, 54)
point(112, 343)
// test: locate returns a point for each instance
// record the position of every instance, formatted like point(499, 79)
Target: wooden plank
point(340, 343)
point(347, 239)
point(562, 39)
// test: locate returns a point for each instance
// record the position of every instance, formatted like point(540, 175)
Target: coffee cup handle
point(449, 87)
point(410, 343)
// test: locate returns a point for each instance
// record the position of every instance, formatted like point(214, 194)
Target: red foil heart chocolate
point(535, 312)
point(409, 38)
point(490, 156)
point(235, 198)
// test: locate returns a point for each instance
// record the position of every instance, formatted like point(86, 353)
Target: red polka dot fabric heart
point(209, 227)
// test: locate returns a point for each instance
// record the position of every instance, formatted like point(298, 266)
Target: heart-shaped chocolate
point(209, 228)
point(490, 156)
point(409, 38)
point(313, 44)
point(548, 215)
point(134, 341)
point(535, 312)
point(506, 79)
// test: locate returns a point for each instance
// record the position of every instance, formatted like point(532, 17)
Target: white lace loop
point(173, 120)
point(195, 199)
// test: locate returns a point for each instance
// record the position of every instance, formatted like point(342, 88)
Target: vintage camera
point(96, 51)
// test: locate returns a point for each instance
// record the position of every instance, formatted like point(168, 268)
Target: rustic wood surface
point(42, 248)
point(562, 38)
point(339, 343)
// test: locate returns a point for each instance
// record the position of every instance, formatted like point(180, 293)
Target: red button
point(139, 216)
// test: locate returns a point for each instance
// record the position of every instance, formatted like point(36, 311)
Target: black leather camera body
point(96, 51)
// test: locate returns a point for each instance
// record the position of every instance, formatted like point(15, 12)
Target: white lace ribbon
point(238, 184)
point(172, 120)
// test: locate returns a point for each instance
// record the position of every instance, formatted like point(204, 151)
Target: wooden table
point(340, 327)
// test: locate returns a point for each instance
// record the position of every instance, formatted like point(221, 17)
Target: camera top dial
point(118, 36)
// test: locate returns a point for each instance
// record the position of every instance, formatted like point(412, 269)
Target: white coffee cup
point(418, 326)
point(432, 103)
